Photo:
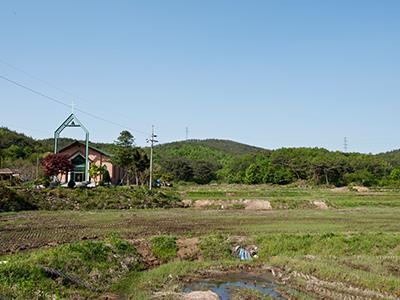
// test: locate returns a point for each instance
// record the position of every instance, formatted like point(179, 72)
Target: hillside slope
point(226, 146)
point(214, 149)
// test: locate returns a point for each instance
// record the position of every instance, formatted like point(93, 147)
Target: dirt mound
point(188, 249)
point(257, 204)
point(144, 249)
point(361, 189)
point(320, 205)
point(251, 204)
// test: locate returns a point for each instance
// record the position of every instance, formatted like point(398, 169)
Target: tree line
point(281, 166)
point(208, 161)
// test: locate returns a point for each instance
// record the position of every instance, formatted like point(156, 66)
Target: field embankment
point(20, 198)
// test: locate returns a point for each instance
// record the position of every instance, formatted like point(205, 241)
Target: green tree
point(140, 166)
point(179, 168)
point(204, 171)
point(252, 174)
point(125, 153)
point(97, 171)
point(362, 177)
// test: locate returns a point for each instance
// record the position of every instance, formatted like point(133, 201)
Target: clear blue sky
point(268, 73)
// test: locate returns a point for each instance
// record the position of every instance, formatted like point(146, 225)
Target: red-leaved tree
point(54, 164)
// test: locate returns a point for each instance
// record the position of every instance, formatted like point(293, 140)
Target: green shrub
point(12, 200)
point(121, 245)
point(164, 247)
point(215, 246)
point(96, 263)
point(15, 199)
point(362, 177)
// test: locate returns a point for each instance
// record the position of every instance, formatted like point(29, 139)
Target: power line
point(51, 85)
point(33, 91)
point(67, 105)
point(36, 78)
point(22, 127)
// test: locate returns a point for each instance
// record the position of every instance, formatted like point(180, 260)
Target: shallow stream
point(225, 285)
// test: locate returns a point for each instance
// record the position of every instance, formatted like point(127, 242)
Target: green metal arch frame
point(72, 121)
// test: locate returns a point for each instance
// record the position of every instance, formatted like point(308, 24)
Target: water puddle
point(226, 284)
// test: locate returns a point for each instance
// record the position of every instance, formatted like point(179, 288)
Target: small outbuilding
point(9, 174)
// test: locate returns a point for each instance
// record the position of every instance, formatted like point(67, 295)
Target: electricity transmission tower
point(187, 132)
point(152, 141)
point(345, 144)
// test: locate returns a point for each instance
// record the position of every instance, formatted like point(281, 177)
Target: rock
point(205, 203)
point(257, 204)
point(201, 295)
point(361, 189)
point(320, 204)
point(187, 202)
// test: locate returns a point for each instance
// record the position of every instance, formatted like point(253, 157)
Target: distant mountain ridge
point(227, 146)
point(10, 137)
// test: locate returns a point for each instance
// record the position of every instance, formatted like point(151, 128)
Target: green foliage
point(395, 174)
point(337, 244)
point(204, 171)
point(252, 174)
point(215, 247)
point(11, 200)
point(97, 264)
point(132, 159)
point(125, 139)
point(121, 245)
point(15, 199)
point(203, 161)
point(124, 156)
point(360, 177)
point(106, 176)
point(179, 168)
point(164, 247)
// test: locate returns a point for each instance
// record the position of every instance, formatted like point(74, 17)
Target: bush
point(215, 247)
point(98, 198)
point(71, 184)
point(12, 200)
point(362, 177)
point(96, 263)
point(164, 247)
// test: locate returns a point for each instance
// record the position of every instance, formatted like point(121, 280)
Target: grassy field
point(351, 249)
point(295, 197)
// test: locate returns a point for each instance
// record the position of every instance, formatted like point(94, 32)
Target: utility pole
point(152, 141)
point(37, 167)
point(345, 144)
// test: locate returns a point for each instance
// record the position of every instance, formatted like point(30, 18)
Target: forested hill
point(19, 145)
point(391, 157)
point(226, 146)
point(203, 161)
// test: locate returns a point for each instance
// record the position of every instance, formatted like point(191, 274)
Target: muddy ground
point(30, 230)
